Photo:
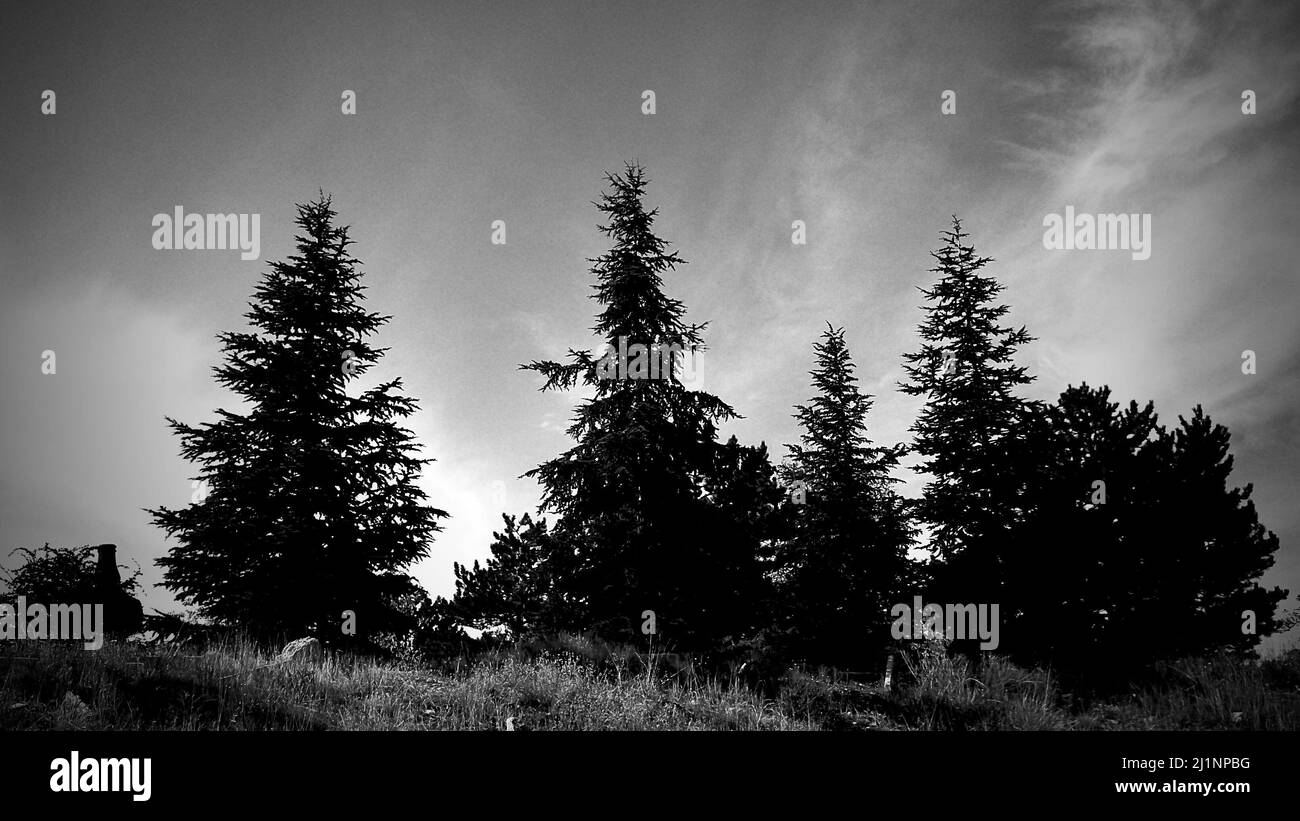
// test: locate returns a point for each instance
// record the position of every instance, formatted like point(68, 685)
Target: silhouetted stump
point(123, 613)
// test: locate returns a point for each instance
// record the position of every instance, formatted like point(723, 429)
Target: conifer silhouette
point(846, 563)
point(636, 497)
point(965, 372)
point(312, 506)
point(1133, 547)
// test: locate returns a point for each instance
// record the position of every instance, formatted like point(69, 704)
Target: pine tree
point(311, 503)
point(964, 370)
point(632, 495)
point(1084, 473)
point(518, 588)
point(1213, 550)
point(744, 484)
point(846, 563)
point(1132, 548)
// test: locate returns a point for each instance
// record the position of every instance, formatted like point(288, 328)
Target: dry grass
point(45, 685)
point(567, 684)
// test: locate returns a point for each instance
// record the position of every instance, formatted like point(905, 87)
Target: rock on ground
point(303, 650)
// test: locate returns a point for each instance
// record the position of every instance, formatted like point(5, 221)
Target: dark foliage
point(60, 574)
point(1133, 546)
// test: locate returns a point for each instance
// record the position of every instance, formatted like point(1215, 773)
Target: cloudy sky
point(766, 113)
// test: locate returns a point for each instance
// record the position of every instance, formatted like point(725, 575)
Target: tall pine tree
point(846, 563)
point(964, 370)
point(311, 505)
point(636, 495)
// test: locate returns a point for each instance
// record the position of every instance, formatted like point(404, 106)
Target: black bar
point(229, 771)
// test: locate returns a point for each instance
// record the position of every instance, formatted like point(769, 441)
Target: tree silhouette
point(846, 563)
point(312, 507)
point(1085, 475)
point(633, 496)
point(518, 588)
point(1133, 548)
point(964, 370)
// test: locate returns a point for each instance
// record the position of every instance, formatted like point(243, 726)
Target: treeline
point(1105, 538)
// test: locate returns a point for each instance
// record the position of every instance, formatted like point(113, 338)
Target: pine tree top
point(656, 417)
point(835, 450)
point(965, 360)
point(629, 286)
